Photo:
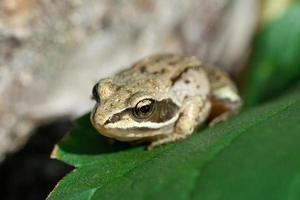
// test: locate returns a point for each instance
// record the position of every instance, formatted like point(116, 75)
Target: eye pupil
point(145, 109)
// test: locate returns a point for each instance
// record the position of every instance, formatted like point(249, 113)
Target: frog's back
point(184, 74)
point(169, 66)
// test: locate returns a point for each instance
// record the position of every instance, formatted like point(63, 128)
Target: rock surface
point(52, 52)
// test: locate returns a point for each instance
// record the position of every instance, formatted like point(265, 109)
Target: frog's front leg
point(195, 111)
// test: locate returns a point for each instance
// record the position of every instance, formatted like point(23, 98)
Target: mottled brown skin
point(179, 92)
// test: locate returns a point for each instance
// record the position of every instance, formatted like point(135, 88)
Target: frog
point(163, 98)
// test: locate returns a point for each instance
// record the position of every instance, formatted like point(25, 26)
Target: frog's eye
point(144, 108)
point(95, 93)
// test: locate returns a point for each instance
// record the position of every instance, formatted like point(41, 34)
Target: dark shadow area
point(30, 173)
point(84, 139)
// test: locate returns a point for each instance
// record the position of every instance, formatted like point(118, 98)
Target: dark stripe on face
point(165, 110)
point(176, 78)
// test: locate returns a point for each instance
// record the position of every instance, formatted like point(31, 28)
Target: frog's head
point(132, 111)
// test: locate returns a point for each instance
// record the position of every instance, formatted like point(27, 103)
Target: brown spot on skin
point(143, 69)
point(163, 71)
point(198, 86)
point(187, 81)
point(117, 88)
point(174, 79)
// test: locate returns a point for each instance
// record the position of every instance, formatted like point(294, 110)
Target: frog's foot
point(165, 140)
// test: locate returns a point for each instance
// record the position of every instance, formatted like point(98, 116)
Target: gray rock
point(52, 52)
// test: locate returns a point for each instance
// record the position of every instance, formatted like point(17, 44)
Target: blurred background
point(52, 52)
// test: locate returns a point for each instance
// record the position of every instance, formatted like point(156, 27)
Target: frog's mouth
point(131, 134)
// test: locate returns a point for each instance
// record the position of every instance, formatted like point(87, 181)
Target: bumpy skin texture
point(161, 99)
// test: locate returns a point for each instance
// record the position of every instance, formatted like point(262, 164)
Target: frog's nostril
point(113, 119)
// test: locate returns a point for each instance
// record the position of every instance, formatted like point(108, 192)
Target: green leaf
point(252, 156)
point(275, 61)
